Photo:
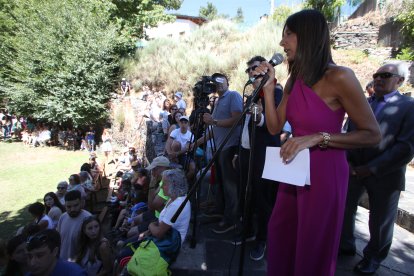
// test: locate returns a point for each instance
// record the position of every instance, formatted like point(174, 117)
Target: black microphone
point(276, 59)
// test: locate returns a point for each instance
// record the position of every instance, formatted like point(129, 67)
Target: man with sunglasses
point(62, 188)
point(43, 256)
point(380, 170)
point(263, 190)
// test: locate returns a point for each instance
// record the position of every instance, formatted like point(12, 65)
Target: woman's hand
point(263, 69)
point(295, 144)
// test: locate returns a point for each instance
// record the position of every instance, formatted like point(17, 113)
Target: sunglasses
point(174, 108)
point(184, 122)
point(385, 75)
point(36, 241)
point(252, 68)
point(61, 188)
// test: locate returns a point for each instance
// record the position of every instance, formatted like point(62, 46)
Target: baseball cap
point(179, 94)
point(184, 118)
point(160, 161)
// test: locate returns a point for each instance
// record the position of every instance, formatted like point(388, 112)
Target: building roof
point(199, 20)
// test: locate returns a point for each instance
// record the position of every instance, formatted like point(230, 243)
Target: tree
point(281, 14)
point(239, 18)
point(209, 12)
point(135, 15)
point(329, 8)
point(61, 58)
point(406, 19)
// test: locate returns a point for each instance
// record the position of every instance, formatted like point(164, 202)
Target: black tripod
point(194, 188)
point(199, 125)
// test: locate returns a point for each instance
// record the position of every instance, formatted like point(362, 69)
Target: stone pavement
point(213, 255)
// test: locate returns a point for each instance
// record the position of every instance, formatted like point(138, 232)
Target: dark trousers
point(383, 205)
point(227, 196)
point(263, 194)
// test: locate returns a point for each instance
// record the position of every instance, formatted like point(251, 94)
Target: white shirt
point(181, 104)
point(183, 138)
point(245, 139)
point(183, 220)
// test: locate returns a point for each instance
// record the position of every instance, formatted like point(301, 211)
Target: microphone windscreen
point(276, 59)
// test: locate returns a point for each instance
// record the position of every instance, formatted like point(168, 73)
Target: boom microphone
point(276, 59)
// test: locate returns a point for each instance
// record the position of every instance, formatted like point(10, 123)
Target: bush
point(218, 46)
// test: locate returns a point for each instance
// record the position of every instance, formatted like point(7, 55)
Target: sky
point(252, 9)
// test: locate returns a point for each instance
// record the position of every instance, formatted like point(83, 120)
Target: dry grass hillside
point(166, 65)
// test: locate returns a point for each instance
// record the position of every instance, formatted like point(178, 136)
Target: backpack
point(153, 256)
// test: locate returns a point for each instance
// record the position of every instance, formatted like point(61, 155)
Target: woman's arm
point(107, 258)
point(340, 88)
point(43, 224)
point(275, 117)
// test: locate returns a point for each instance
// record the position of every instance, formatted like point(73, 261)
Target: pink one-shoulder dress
point(305, 226)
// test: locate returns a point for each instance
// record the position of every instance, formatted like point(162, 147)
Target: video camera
point(206, 86)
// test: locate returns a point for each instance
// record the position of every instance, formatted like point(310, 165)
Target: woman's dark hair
point(86, 167)
point(173, 117)
point(163, 105)
point(313, 52)
point(76, 178)
point(85, 242)
point(37, 209)
point(170, 116)
point(56, 202)
point(143, 172)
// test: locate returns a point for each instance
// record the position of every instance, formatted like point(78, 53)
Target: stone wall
point(133, 123)
point(389, 35)
point(350, 36)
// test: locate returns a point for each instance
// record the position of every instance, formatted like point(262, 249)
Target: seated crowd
point(64, 238)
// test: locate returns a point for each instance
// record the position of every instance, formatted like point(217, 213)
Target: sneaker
point(223, 227)
point(257, 253)
point(238, 239)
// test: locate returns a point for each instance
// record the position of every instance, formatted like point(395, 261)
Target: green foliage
point(135, 15)
point(60, 59)
point(281, 14)
point(329, 8)
point(209, 12)
point(406, 54)
point(406, 18)
point(218, 46)
point(64, 61)
point(239, 18)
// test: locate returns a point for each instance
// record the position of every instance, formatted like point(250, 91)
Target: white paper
point(296, 172)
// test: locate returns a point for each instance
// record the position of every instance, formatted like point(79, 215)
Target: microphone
point(276, 59)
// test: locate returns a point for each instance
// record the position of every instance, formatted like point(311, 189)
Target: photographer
point(227, 110)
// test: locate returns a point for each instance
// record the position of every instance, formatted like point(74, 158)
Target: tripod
point(194, 188)
point(199, 112)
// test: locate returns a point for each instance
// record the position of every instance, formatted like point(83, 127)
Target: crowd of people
point(34, 134)
point(369, 152)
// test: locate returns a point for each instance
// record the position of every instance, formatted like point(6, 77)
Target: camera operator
point(227, 110)
point(263, 190)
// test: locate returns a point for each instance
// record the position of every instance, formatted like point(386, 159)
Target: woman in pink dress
point(306, 222)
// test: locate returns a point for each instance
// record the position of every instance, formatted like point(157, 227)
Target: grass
point(26, 175)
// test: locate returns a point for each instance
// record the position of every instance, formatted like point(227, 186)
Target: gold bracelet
point(326, 138)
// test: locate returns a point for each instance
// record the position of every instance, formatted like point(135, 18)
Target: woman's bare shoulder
point(339, 74)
